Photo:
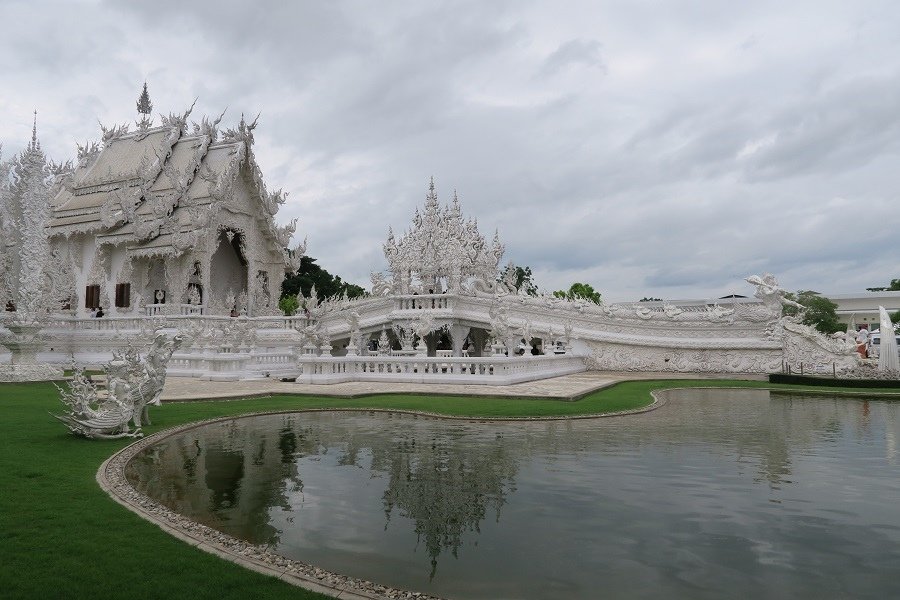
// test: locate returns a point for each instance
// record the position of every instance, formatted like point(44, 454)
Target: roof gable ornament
point(179, 121)
point(243, 133)
point(112, 133)
point(211, 130)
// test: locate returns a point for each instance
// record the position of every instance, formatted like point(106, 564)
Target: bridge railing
point(492, 370)
point(423, 302)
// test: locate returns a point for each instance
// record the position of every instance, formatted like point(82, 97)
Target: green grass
point(62, 537)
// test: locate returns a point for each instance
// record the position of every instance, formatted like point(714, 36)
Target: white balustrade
point(435, 369)
point(423, 302)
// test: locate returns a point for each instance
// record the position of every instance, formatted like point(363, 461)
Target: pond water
point(717, 493)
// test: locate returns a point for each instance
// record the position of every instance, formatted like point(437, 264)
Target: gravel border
point(111, 478)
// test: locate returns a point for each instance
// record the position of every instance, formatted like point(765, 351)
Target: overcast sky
point(663, 149)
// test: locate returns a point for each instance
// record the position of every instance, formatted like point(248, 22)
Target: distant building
point(863, 308)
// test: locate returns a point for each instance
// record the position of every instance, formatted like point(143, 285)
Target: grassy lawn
point(62, 537)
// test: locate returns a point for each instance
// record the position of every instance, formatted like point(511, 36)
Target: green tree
point(524, 279)
point(893, 286)
point(310, 274)
point(580, 291)
point(820, 312)
point(288, 304)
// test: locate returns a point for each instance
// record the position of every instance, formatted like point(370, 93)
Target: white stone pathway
point(567, 387)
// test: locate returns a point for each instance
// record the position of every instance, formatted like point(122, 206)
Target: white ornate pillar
point(458, 335)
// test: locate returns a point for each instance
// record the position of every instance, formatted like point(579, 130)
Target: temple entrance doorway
point(228, 270)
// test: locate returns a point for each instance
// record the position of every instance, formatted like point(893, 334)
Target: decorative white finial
point(35, 144)
point(145, 109)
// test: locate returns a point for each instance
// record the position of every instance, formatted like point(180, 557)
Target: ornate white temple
point(171, 228)
point(171, 219)
point(443, 252)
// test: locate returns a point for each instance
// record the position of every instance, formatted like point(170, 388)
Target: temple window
point(92, 296)
point(123, 295)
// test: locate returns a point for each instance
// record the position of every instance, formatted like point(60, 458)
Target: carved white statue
point(132, 384)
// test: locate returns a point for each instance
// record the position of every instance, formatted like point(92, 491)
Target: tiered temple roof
point(155, 188)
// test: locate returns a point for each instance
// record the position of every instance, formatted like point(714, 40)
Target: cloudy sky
point(662, 149)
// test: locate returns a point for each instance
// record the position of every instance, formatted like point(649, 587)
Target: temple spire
point(35, 144)
point(144, 108)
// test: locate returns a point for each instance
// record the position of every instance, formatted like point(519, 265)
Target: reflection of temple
point(444, 488)
point(173, 218)
point(447, 480)
point(225, 474)
point(229, 476)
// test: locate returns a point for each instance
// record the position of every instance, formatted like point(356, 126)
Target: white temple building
point(172, 219)
point(171, 228)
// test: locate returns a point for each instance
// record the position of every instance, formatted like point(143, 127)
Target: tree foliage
point(580, 291)
point(310, 274)
point(288, 304)
point(893, 286)
point(524, 279)
point(820, 312)
point(649, 299)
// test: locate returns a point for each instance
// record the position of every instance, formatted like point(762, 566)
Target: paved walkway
point(567, 387)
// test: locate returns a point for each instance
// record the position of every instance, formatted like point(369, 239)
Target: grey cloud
point(574, 52)
point(651, 151)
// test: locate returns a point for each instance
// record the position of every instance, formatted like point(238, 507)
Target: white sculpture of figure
point(380, 286)
point(406, 336)
point(194, 296)
point(384, 343)
point(133, 384)
point(314, 308)
point(500, 328)
point(771, 294)
point(137, 306)
point(527, 335)
point(160, 296)
point(230, 302)
point(241, 303)
point(568, 328)
point(353, 324)
point(422, 326)
point(887, 355)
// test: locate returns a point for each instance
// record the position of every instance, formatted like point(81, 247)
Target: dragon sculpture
point(133, 383)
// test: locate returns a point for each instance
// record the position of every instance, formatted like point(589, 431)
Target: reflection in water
point(714, 492)
point(224, 471)
point(443, 486)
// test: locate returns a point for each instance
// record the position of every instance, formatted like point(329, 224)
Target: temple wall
point(83, 249)
point(115, 263)
point(608, 356)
